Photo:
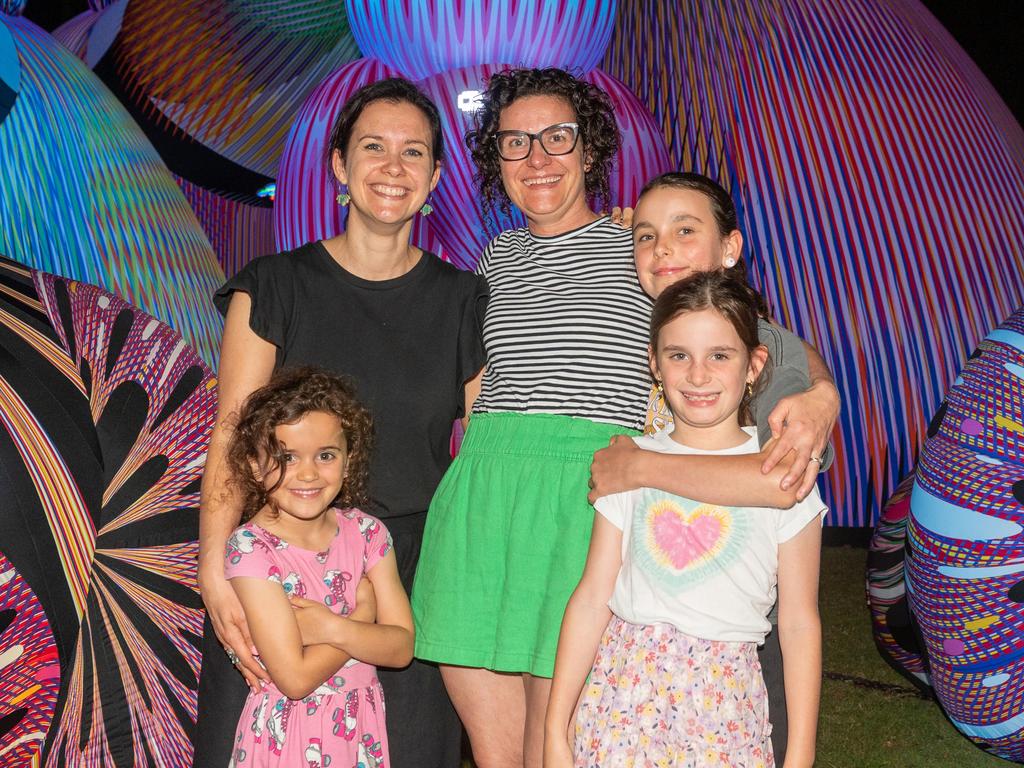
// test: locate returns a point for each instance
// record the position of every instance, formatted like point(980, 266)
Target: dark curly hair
point(395, 90)
point(599, 134)
point(722, 206)
point(290, 394)
point(733, 298)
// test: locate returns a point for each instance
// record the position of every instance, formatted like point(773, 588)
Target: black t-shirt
point(409, 344)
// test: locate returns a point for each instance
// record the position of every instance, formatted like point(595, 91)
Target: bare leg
point(492, 707)
point(537, 691)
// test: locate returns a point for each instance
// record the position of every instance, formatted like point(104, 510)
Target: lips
point(542, 181)
point(305, 493)
point(701, 398)
point(386, 190)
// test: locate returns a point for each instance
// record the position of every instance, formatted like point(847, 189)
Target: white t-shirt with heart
point(708, 570)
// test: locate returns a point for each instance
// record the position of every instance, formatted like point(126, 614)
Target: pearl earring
point(730, 263)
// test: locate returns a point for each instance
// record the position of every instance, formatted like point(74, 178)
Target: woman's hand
point(228, 619)
point(622, 216)
point(802, 423)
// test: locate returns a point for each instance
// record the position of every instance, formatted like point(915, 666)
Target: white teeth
point(545, 180)
point(390, 191)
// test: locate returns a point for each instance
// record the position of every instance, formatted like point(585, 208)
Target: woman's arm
point(472, 391)
point(727, 480)
point(296, 670)
point(246, 362)
point(586, 618)
point(802, 423)
point(800, 638)
point(389, 642)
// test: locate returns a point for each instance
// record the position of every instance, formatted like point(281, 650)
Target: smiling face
point(387, 165)
point(549, 190)
point(675, 234)
point(704, 368)
point(315, 461)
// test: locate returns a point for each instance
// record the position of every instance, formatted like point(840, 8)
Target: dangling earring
point(426, 209)
point(658, 386)
point(750, 389)
point(343, 199)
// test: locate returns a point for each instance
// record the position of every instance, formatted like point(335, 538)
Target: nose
point(697, 373)
point(393, 164)
point(662, 248)
point(306, 471)
point(537, 158)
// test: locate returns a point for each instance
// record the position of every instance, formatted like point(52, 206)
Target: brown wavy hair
point(599, 133)
point(732, 298)
point(290, 394)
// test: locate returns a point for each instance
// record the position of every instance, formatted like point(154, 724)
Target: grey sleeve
point(789, 376)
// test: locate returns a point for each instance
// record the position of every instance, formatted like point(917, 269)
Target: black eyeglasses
point(559, 139)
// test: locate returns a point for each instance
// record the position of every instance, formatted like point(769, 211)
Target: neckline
point(570, 233)
point(317, 552)
point(375, 285)
point(666, 435)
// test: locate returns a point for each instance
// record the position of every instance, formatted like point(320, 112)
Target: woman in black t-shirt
point(405, 326)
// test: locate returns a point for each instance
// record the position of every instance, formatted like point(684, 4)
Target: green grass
point(861, 727)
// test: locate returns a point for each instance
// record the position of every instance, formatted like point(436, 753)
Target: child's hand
point(557, 753)
point(316, 621)
point(366, 602)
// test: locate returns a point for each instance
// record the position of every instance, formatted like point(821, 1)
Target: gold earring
point(658, 386)
point(750, 389)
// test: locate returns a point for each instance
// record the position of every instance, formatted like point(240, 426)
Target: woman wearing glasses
point(566, 339)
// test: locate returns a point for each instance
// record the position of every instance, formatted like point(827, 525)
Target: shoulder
point(461, 280)
point(362, 523)
point(249, 540)
point(784, 347)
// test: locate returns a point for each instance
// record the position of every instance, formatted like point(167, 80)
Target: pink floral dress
point(341, 723)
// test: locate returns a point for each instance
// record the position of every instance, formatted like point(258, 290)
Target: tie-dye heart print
point(682, 542)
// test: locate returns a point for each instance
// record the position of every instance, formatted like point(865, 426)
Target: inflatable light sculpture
point(83, 193)
point(217, 85)
point(451, 48)
point(963, 574)
point(105, 414)
point(880, 182)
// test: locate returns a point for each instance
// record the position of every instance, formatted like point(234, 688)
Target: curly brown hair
point(599, 134)
point(290, 394)
point(729, 295)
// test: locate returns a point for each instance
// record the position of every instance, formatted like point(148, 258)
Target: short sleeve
point(471, 354)
point(614, 508)
point(247, 555)
point(376, 540)
point(483, 265)
point(267, 285)
point(796, 518)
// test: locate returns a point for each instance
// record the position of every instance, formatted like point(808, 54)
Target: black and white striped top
point(566, 326)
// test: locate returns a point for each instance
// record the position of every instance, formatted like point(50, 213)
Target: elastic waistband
point(537, 434)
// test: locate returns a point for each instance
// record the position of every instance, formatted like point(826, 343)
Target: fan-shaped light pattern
point(232, 73)
point(31, 672)
point(97, 203)
point(460, 223)
point(73, 34)
point(893, 625)
point(880, 182)
point(12, 7)
point(965, 572)
point(10, 72)
point(420, 39)
point(104, 424)
point(90, 34)
point(238, 232)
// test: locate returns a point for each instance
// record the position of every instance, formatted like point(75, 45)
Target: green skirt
point(505, 542)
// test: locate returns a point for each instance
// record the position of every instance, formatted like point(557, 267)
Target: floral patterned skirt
point(658, 697)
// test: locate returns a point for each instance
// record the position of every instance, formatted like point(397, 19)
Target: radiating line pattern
point(232, 73)
point(881, 188)
point(420, 39)
point(106, 418)
point(96, 203)
point(238, 232)
point(965, 564)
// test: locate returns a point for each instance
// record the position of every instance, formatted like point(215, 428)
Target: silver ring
point(817, 459)
point(232, 656)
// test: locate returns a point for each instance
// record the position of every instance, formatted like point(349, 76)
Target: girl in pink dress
point(301, 448)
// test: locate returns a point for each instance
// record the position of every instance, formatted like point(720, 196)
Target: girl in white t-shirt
point(674, 597)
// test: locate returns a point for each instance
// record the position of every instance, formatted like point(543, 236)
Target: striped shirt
point(566, 326)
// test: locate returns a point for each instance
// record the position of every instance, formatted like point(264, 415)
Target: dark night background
point(989, 30)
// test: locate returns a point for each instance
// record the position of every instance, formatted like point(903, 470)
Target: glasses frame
point(537, 137)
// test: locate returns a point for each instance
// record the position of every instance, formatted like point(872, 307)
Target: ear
point(652, 359)
point(757, 360)
point(338, 166)
point(732, 248)
point(436, 175)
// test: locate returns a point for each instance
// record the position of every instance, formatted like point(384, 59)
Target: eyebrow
point(678, 348)
point(680, 217)
point(381, 138)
